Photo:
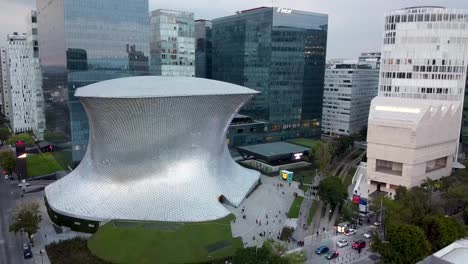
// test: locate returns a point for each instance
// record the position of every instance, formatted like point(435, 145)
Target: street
point(11, 250)
point(347, 254)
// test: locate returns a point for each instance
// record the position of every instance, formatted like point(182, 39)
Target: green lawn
point(64, 158)
point(349, 178)
point(160, 242)
point(305, 142)
point(295, 207)
point(305, 175)
point(41, 164)
point(312, 210)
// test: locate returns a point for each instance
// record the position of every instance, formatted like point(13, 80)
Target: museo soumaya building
point(157, 152)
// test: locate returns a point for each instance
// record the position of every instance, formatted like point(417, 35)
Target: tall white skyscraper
point(425, 53)
point(172, 43)
point(414, 123)
point(21, 86)
point(348, 90)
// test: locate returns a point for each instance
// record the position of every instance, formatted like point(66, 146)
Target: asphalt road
point(11, 251)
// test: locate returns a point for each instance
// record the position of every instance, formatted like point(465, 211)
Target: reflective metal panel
point(156, 158)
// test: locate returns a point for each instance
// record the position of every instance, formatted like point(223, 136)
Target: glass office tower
point(281, 53)
point(203, 48)
point(83, 42)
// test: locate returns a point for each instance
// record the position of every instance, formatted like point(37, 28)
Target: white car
point(367, 235)
point(377, 223)
point(24, 184)
point(6, 177)
point(350, 232)
point(342, 243)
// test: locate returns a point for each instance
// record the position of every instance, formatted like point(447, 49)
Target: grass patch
point(305, 142)
point(312, 210)
point(295, 207)
point(71, 251)
point(159, 242)
point(304, 175)
point(41, 164)
point(64, 158)
point(349, 178)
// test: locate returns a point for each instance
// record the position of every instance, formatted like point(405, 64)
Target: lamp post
point(42, 255)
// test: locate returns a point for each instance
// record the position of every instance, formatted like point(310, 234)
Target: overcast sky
point(354, 25)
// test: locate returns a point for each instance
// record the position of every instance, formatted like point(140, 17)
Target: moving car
point(342, 243)
point(27, 254)
point(350, 231)
point(333, 255)
point(377, 223)
point(24, 184)
point(359, 244)
point(367, 235)
point(322, 250)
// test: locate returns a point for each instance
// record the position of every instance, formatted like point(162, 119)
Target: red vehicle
point(359, 244)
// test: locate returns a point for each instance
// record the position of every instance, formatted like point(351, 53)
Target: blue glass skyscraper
point(83, 42)
point(281, 53)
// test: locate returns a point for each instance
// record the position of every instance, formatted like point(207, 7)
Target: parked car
point(322, 250)
point(333, 255)
point(342, 243)
point(367, 235)
point(27, 254)
point(377, 223)
point(359, 244)
point(350, 231)
point(6, 177)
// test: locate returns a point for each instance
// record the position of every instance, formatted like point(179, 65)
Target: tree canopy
point(4, 133)
point(405, 244)
point(442, 230)
point(8, 161)
point(332, 190)
point(322, 154)
point(343, 143)
point(26, 218)
point(27, 138)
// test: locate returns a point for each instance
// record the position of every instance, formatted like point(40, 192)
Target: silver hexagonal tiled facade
point(157, 151)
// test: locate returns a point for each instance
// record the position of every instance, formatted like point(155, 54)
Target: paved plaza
point(265, 211)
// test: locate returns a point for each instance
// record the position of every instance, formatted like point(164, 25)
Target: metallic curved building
point(157, 151)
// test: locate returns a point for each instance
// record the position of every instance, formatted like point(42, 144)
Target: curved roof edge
point(160, 86)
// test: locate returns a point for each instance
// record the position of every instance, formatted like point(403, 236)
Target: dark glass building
point(203, 48)
point(281, 53)
point(83, 42)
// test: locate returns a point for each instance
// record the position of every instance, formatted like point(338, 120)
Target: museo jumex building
point(157, 152)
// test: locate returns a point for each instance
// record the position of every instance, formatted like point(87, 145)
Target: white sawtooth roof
point(160, 86)
point(396, 111)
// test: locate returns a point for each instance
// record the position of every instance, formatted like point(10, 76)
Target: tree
point(442, 231)
point(252, 255)
point(27, 138)
point(26, 218)
point(296, 257)
point(343, 143)
point(323, 154)
point(332, 190)
point(4, 134)
point(8, 161)
point(406, 244)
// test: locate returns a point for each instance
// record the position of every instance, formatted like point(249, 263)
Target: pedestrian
point(266, 216)
point(267, 222)
point(276, 216)
point(279, 212)
point(253, 238)
point(280, 221)
point(256, 221)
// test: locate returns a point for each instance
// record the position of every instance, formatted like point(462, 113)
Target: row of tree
point(270, 253)
point(415, 225)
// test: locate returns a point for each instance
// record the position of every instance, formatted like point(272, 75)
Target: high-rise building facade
point(281, 53)
point(83, 42)
point(348, 91)
point(425, 53)
point(414, 123)
point(21, 85)
point(203, 48)
point(372, 58)
point(172, 43)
